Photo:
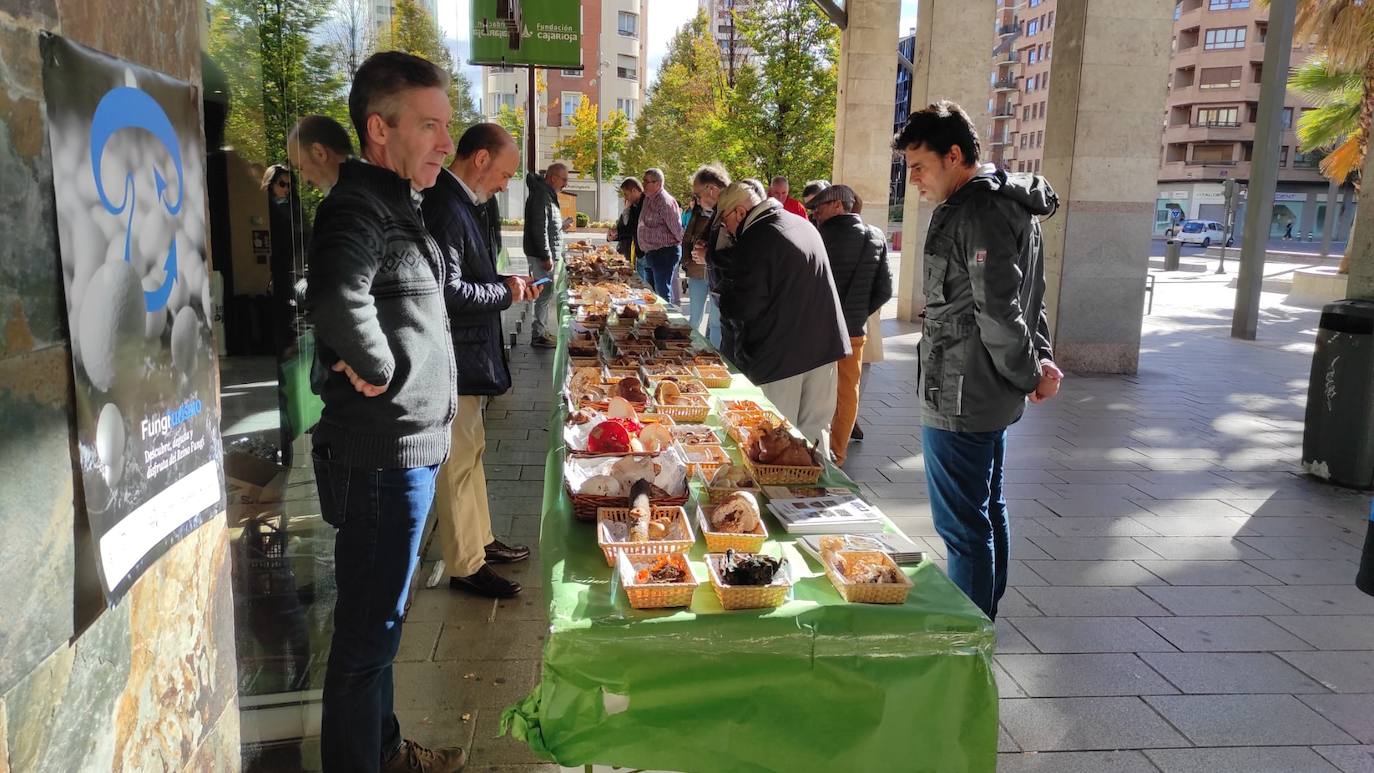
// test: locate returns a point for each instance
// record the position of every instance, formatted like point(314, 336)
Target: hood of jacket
point(1029, 190)
point(534, 180)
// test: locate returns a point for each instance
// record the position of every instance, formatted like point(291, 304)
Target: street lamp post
point(600, 72)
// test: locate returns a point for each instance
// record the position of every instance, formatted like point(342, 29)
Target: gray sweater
point(375, 298)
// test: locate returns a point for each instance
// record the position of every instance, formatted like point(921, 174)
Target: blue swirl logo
point(130, 108)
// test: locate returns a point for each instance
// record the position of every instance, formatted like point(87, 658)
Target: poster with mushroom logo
point(128, 174)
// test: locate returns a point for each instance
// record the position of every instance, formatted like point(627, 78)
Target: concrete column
point(1361, 282)
point(863, 118)
point(954, 41)
point(1102, 140)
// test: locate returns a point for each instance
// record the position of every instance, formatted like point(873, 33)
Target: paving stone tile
point(1199, 548)
point(1295, 526)
point(1014, 604)
point(1349, 759)
point(436, 725)
point(1006, 685)
point(1019, 575)
point(1287, 508)
point(1331, 632)
point(1075, 762)
point(1099, 477)
point(504, 640)
point(1306, 571)
point(1093, 548)
point(1093, 506)
point(1251, 759)
point(418, 640)
point(444, 605)
point(1094, 573)
point(1009, 638)
point(1247, 720)
point(465, 683)
point(1230, 672)
point(1095, 490)
point(1352, 713)
point(490, 748)
point(1200, 526)
point(1107, 526)
point(1218, 600)
point(1091, 602)
point(1097, 674)
point(1005, 742)
point(1188, 508)
point(1224, 634)
point(1069, 724)
point(1324, 599)
point(1208, 573)
point(1090, 634)
point(1313, 548)
point(1027, 548)
point(1343, 672)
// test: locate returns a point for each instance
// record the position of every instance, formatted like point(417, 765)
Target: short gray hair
point(557, 167)
point(740, 194)
point(781, 180)
point(653, 174)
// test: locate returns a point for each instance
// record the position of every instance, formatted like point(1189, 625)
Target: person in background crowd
point(376, 300)
point(288, 236)
point(858, 261)
point(544, 242)
point(316, 146)
point(810, 191)
point(778, 190)
point(778, 299)
point(626, 227)
point(986, 343)
point(475, 295)
point(660, 232)
point(701, 231)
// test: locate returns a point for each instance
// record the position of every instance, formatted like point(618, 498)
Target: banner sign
point(541, 33)
point(129, 176)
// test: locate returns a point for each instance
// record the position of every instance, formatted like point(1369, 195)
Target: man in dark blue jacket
point(458, 214)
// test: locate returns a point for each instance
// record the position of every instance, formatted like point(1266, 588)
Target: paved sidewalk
point(1181, 599)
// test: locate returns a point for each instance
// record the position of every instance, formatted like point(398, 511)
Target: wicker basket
point(747, 596)
point(622, 515)
point(694, 411)
point(652, 595)
point(782, 475)
point(866, 592)
point(586, 505)
point(681, 437)
point(647, 419)
point(705, 460)
point(738, 423)
point(721, 541)
point(711, 376)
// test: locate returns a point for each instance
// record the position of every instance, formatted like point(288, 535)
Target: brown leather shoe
point(486, 582)
point(545, 341)
point(414, 758)
point(499, 552)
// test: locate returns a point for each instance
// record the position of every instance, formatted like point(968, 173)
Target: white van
point(1203, 232)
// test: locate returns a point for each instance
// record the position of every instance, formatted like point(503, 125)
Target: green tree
point(580, 146)
point(414, 31)
point(782, 109)
point(681, 125)
point(513, 119)
point(1344, 31)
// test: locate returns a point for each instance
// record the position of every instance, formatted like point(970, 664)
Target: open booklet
point(895, 544)
point(827, 515)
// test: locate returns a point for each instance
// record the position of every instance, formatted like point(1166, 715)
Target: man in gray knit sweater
point(376, 300)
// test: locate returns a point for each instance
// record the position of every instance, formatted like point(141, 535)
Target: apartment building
point(906, 57)
point(379, 13)
point(734, 52)
point(1019, 84)
point(1214, 82)
point(615, 60)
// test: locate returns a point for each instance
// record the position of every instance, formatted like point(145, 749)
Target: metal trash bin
point(1172, 250)
point(1364, 580)
point(1338, 434)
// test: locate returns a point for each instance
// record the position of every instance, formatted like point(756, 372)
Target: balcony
point(1004, 114)
point(1180, 171)
point(1005, 84)
point(1007, 30)
point(1005, 139)
point(1008, 57)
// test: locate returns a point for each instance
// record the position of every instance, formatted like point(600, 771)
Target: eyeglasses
point(283, 183)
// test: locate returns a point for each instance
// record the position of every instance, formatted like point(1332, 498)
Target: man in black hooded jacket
point(985, 346)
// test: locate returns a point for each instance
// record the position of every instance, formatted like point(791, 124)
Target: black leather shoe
point(499, 552)
point(414, 758)
point(857, 433)
point(486, 582)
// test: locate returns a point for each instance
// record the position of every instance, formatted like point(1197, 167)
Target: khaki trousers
point(808, 401)
point(847, 399)
point(460, 496)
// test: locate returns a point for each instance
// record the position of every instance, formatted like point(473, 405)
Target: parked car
point(1203, 232)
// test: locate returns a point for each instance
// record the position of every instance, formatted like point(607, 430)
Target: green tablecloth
point(817, 684)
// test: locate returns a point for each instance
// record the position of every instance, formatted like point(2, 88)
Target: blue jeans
point(542, 324)
point(380, 517)
point(964, 473)
point(661, 265)
point(698, 292)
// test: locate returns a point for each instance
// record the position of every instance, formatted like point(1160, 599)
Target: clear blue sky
point(665, 16)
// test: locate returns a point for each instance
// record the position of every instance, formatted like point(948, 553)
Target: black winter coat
point(858, 260)
point(474, 293)
point(778, 300)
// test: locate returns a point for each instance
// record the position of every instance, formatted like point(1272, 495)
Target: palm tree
point(1344, 31)
point(1333, 128)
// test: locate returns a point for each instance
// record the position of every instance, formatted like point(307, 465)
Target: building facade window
point(626, 106)
point(571, 101)
point(1031, 56)
point(1305, 160)
point(503, 100)
point(1288, 118)
point(1283, 155)
point(1219, 78)
point(627, 67)
point(1227, 5)
point(1032, 26)
point(1049, 21)
point(1223, 38)
point(571, 73)
point(628, 24)
point(1048, 46)
point(1225, 117)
